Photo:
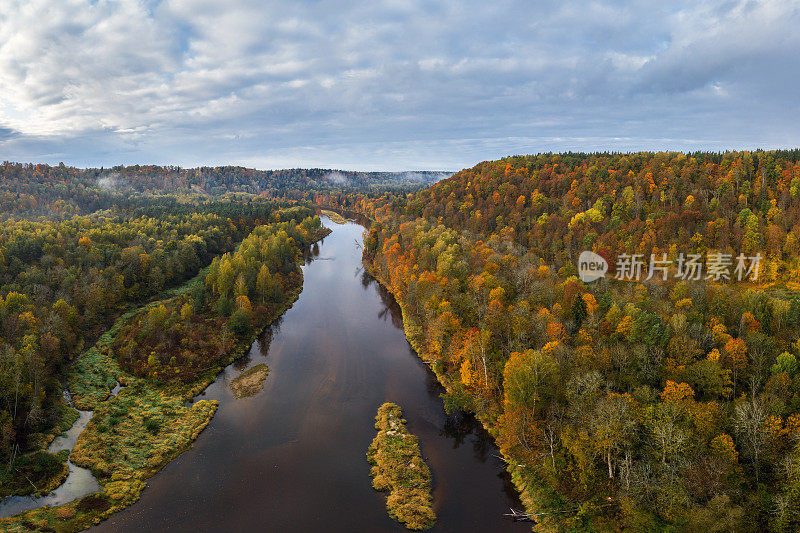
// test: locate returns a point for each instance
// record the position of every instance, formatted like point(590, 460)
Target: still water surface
point(79, 481)
point(292, 457)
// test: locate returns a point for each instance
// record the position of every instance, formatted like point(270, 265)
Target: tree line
point(62, 191)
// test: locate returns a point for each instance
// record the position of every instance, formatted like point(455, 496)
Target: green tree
point(240, 322)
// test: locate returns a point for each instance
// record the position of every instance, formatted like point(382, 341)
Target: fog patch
point(337, 177)
point(425, 177)
point(112, 182)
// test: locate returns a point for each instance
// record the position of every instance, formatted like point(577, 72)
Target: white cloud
point(193, 82)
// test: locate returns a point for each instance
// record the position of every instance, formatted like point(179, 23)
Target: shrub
point(239, 323)
point(93, 502)
point(152, 425)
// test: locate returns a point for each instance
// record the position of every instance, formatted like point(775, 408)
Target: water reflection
point(265, 340)
point(79, 481)
point(292, 457)
point(390, 306)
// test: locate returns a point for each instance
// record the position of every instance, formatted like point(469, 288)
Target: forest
point(65, 281)
point(648, 405)
point(64, 191)
point(656, 403)
point(180, 340)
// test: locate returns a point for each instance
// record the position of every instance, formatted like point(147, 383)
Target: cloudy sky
point(390, 85)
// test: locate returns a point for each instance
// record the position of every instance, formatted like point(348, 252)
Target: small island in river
point(334, 216)
point(250, 382)
point(399, 469)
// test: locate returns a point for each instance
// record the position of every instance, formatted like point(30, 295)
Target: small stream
point(80, 481)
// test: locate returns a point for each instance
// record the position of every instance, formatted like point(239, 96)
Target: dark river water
point(292, 457)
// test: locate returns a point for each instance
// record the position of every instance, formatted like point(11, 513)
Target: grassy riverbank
point(137, 432)
point(398, 468)
point(36, 474)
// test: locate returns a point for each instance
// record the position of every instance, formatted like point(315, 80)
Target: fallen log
point(518, 516)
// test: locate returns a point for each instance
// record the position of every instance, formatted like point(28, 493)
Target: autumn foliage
point(644, 405)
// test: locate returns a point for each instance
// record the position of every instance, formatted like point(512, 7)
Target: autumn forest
point(655, 398)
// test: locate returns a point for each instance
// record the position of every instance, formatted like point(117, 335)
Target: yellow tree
point(736, 358)
point(613, 427)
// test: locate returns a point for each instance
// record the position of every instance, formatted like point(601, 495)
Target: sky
point(391, 85)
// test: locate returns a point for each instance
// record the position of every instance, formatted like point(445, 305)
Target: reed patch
point(398, 468)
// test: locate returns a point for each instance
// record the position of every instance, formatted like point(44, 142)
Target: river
point(292, 457)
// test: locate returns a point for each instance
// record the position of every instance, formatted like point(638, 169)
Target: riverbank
point(35, 474)
point(41, 471)
point(528, 494)
point(135, 433)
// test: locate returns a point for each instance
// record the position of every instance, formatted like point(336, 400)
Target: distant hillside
point(219, 180)
point(38, 189)
point(560, 204)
